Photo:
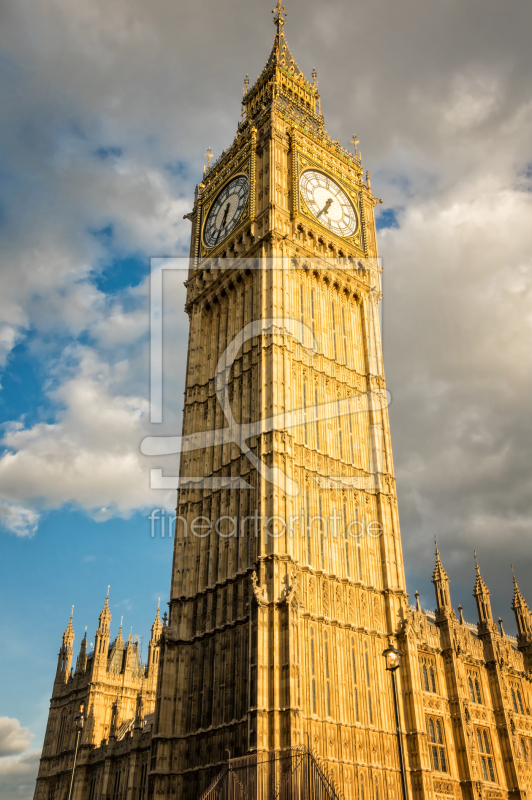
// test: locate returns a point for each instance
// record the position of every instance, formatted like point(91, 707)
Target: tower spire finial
point(280, 15)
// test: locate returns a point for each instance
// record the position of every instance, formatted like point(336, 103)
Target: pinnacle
point(480, 585)
point(439, 573)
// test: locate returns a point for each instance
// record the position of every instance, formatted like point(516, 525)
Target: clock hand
point(325, 208)
point(226, 212)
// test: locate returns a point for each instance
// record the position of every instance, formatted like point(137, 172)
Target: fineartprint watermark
point(334, 526)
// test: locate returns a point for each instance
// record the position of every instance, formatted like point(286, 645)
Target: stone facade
point(280, 612)
point(117, 694)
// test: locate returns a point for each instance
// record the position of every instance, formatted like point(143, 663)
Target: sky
point(108, 109)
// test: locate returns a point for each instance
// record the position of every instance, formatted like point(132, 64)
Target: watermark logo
point(373, 400)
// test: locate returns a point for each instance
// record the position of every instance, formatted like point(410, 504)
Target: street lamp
point(393, 662)
point(79, 719)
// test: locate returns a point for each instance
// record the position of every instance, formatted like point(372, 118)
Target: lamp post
point(79, 719)
point(393, 662)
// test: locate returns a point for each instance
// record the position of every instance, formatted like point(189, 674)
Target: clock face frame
point(226, 210)
point(328, 203)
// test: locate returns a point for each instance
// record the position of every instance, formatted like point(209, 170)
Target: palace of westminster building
point(274, 636)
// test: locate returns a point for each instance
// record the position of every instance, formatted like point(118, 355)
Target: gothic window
point(92, 788)
point(339, 418)
point(486, 759)
point(514, 701)
point(313, 319)
point(524, 749)
point(313, 669)
point(437, 745)
point(62, 733)
point(368, 684)
point(327, 674)
point(477, 692)
point(361, 787)
point(334, 332)
point(376, 788)
point(308, 529)
point(345, 335)
point(305, 425)
point(471, 690)
point(432, 680)
point(348, 571)
point(355, 687)
point(520, 701)
point(359, 555)
point(425, 678)
point(317, 423)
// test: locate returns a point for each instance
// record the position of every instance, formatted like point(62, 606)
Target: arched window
point(359, 555)
point(62, 733)
point(348, 571)
point(355, 686)
point(368, 684)
point(524, 749)
point(514, 701)
point(432, 681)
point(313, 669)
point(361, 787)
point(477, 692)
point(520, 701)
point(327, 675)
point(425, 678)
point(376, 788)
point(486, 760)
point(471, 690)
point(437, 745)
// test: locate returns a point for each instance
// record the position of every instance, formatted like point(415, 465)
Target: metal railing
point(291, 774)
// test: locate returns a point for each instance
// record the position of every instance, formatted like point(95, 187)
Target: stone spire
point(441, 581)
point(103, 634)
point(154, 645)
point(482, 596)
point(522, 615)
point(282, 83)
point(82, 656)
point(66, 651)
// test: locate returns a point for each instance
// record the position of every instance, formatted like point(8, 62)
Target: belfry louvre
point(266, 679)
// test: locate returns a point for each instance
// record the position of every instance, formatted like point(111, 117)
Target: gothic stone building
point(277, 624)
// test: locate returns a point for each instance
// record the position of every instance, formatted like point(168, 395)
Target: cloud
point(13, 738)
point(102, 100)
point(89, 456)
point(18, 775)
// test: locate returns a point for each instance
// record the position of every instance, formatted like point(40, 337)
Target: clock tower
point(287, 580)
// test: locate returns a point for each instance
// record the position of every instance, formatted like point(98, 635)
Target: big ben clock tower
point(287, 577)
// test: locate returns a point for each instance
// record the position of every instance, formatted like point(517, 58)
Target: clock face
point(226, 211)
point(328, 203)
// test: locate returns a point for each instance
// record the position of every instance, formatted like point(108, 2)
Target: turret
point(441, 581)
point(103, 634)
point(154, 645)
point(82, 657)
point(482, 596)
point(522, 616)
point(64, 659)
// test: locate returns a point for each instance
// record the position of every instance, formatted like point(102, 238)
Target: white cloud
point(89, 456)
point(18, 520)
point(14, 738)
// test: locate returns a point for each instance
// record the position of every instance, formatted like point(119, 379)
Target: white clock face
point(328, 203)
point(226, 211)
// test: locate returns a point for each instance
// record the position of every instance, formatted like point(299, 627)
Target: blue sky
point(107, 115)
